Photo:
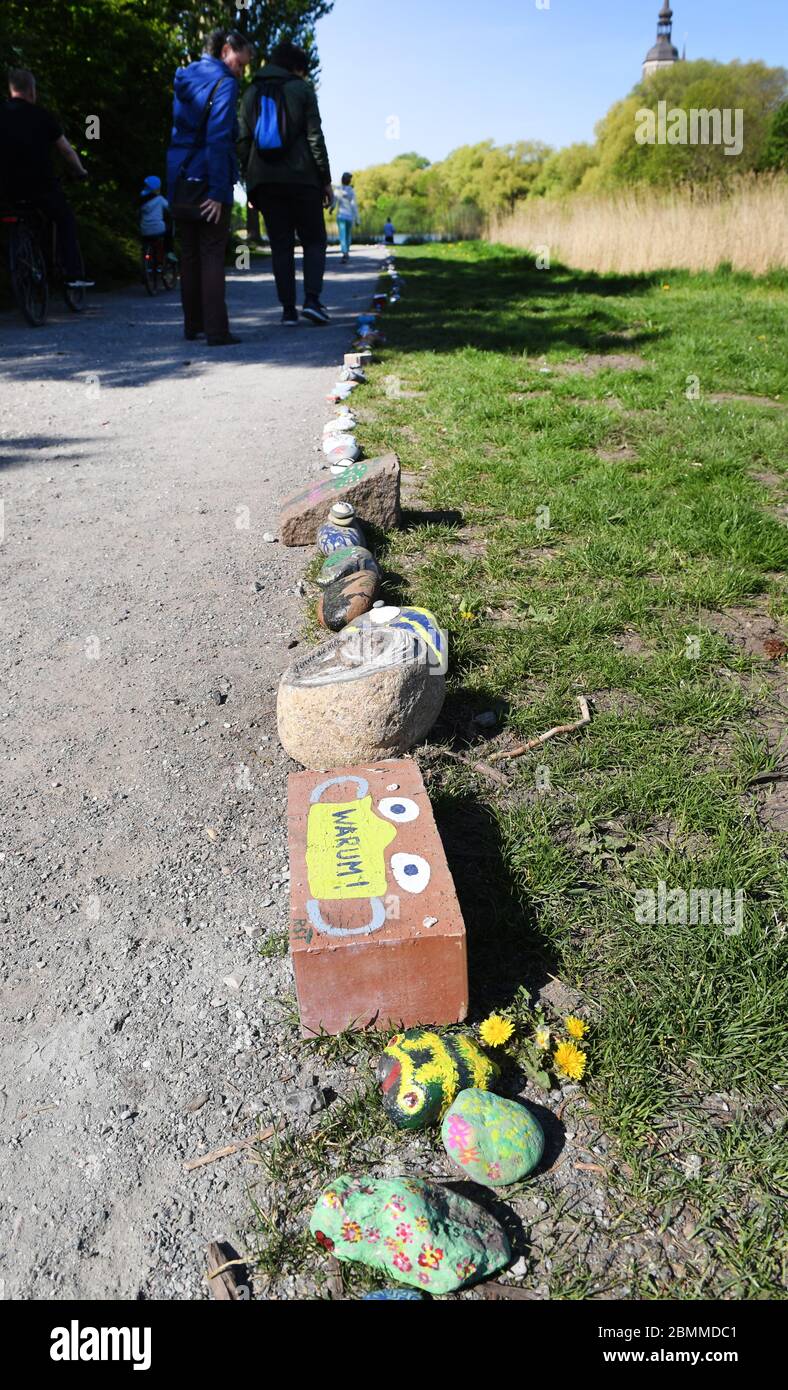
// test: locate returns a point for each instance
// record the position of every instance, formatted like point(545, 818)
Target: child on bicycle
point(155, 224)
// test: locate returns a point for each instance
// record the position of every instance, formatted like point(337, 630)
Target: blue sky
point(457, 71)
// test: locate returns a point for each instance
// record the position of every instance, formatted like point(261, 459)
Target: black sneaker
point(289, 317)
point(315, 312)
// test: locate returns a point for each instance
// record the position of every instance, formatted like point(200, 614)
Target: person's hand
point(328, 195)
point(211, 210)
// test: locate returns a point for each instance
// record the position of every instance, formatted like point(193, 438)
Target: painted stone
point(418, 621)
point(371, 485)
point(415, 1231)
point(344, 421)
point(357, 359)
point(373, 691)
point(420, 1074)
point(347, 598)
point(344, 439)
point(331, 537)
point(343, 449)
point(356, 374)
point(340, 391)
point(367, 874)
point(346, 561)
point(492, 1140)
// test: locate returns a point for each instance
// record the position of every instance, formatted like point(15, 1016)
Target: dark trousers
point(202, 275)
point(53, 202)
point(291, 209)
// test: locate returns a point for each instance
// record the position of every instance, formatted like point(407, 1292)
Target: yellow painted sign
point(345, 846)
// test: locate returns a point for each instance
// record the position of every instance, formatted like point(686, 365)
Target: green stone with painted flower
point(411, 1230)
point(491, 1140)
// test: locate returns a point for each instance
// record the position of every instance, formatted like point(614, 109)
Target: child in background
point(347, 213)
point(388, 231)
point(154, 218)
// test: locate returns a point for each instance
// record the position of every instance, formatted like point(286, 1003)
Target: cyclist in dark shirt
point(28, 135)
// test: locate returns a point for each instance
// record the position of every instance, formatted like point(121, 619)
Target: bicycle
point(34, 262)
point(154, 270)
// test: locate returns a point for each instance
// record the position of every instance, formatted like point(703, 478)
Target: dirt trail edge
point(143, 864)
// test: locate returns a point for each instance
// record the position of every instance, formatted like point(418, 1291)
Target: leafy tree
point(565, 170)
point(753, 88)
point(114, 60)
point(775, 152)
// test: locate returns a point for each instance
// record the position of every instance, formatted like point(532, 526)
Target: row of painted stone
point(396, 656)
point(415, 1231)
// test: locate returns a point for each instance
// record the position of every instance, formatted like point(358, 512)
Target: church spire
point(663, 54)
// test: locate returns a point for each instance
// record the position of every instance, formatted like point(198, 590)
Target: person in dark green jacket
point(289, 185)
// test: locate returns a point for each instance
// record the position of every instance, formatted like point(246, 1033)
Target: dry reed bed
point(686, 229)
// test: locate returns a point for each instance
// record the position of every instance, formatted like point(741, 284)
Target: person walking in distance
point(288, 179)
point(28, 135)
point(202, 154)
point(347, 213)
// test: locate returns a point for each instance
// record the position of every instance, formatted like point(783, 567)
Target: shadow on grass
point(506, 948)
point(488, 303)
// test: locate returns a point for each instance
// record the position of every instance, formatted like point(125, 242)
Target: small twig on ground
point(232, 1148)
point(591, 1167)
point(551, 733)
point(480, 767)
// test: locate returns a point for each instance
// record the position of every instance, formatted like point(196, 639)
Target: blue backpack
point(272, 134)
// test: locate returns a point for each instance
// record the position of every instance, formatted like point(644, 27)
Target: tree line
point(456, 195)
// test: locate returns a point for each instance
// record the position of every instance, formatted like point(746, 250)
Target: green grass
point(558, 572)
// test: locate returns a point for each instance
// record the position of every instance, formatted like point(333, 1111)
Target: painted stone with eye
point(420, 1072)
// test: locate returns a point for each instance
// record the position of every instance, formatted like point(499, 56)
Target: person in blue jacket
point(205, 149)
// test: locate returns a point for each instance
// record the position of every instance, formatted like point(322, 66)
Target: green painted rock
point(420, 1072)
point(413, 1231)
point(492, 1140)
point(346, 561)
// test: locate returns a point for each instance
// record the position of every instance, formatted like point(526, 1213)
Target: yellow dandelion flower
point(542, 1038)
point(575, 1027)
point(569, 1060)
point(468, 616)
point(496, 1030)
point(666, 287)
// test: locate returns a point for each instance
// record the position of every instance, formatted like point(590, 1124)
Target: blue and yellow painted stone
point(491, 1140)
point(420, 1072)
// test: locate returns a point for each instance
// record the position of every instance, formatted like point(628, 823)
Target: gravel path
point(143, 863)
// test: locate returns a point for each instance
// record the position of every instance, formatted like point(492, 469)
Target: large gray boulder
point(371, 692)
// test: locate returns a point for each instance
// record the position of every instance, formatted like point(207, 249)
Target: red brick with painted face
point(376, 931)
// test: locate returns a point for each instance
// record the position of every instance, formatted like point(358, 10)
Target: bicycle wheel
point(75, 299)
point(149, 272)
point(28, 274)
point(169, 274)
